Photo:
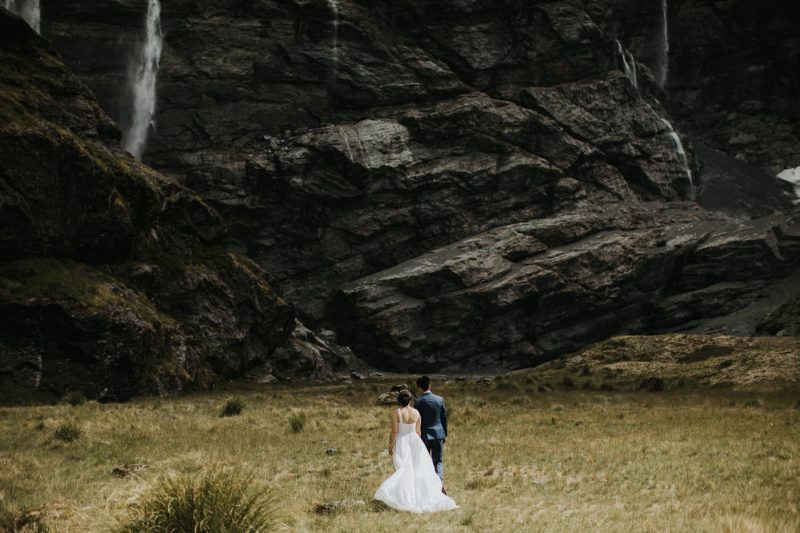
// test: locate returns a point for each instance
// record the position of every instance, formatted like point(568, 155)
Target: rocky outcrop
point(734, 71)
point(452, 184)
point(112, 280)
point(521, 294)
point(326, 172)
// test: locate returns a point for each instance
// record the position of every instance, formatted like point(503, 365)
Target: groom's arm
point(444, 419)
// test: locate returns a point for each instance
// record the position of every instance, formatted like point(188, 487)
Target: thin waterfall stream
point(662, 64)
point(29, 10)
point(143, 83)
point(629, 67)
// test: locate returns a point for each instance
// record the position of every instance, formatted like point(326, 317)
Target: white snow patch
point(792, 175)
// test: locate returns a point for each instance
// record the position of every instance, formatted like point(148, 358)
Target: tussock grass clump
point(14, 520)
point(232, 407)
point(216, 501)
point(754, 403)
point(67, 432)
point(75, 397)
point(298, 421)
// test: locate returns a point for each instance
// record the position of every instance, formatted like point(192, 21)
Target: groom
point(434, 422)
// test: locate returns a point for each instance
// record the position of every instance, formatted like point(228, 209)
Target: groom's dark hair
point(424, 383)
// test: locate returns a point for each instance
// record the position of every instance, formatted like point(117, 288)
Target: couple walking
point(416, 444)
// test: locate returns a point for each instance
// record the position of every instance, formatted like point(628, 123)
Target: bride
point(414, 486)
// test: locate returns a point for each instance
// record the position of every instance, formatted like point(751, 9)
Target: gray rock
point(338, 505)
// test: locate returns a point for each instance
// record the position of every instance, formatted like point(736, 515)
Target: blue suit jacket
point(434, 416)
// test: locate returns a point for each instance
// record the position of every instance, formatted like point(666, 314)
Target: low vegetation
point(569, 458)
point(219, 500)
point(67, 432)
point(233, 407)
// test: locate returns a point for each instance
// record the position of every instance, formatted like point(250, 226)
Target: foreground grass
point(517, 459)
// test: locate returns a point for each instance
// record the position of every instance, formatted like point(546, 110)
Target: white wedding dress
point(414, 486)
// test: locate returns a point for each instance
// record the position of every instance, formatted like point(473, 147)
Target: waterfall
point(629, 65)
point(143, 83)
point(662, 63)
point(333, 5)
point(29, 10)
point(683, 159)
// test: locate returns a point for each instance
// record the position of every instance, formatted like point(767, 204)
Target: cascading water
point(333, 5)
point(629, 65)
point(662, 63)
point(683, 159)
point(29, 10)
point(143, 83)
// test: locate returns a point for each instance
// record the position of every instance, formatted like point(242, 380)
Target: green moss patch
point(47, 279)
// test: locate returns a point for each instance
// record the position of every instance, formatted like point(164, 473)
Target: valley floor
point(517, 459)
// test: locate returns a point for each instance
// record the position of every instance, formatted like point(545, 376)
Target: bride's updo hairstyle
point(404, 397)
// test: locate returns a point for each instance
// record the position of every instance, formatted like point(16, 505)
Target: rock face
point(112, 280)
point(734, 71)
point(326, 172)
point(456, 184)
point(521, 294)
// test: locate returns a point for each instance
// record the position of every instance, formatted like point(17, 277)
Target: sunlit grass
point(517, 459)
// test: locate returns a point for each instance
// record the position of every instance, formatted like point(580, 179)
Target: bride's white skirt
point(414, 486)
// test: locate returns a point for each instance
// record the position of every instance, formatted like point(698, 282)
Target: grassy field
point(517, 459)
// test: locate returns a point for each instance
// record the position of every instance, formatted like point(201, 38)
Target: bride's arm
point(393, 433)
point(419, 425)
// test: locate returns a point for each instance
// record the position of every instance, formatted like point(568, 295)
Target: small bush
point(568, 383)
point(652, 385)
point(297, 422)
point(75, 397)
point(218, 500)
point(753, 403)
point(232, 407)
point(586, 371)
point(14, 520)
point(607, 385)
point(67, 432)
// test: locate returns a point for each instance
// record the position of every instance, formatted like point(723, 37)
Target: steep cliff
point(112, 279)
point(733, 70)
point(453, 184)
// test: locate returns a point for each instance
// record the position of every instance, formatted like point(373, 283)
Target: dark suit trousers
point(436, 449)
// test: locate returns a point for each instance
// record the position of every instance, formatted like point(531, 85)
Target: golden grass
point(516, 460)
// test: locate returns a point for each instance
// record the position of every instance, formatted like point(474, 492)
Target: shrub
point(17, 520)
point(216, 501)
point(652, 385)
point(232, 407)
point(297, 422)
point(607, 385)
point(75, 397)
point(67, 432)
point(568, 383)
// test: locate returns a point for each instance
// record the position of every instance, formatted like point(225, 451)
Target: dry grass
point(517, 459)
